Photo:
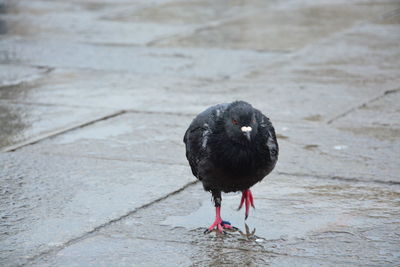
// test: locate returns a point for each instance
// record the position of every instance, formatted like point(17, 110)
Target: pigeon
point(230, 147)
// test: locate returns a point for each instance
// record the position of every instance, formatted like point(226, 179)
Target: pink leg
point(247, 199)
point(219, 223)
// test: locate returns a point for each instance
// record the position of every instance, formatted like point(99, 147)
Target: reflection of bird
point(230, 147)
point(248, 235)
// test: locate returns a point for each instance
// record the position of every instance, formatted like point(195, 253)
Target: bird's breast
point(239, 161)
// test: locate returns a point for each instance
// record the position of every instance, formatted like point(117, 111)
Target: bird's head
point(240, 122)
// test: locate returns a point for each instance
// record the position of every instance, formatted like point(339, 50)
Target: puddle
point(204, 216)
point(271, 220)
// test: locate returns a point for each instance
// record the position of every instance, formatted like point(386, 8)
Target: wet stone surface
point(12, 75)
point(369, 123)
point(318, 221)
point(132, 136)
point(95, 97)
point(23, 122)
point(268, 29)
point(345, 153)
point(194, 62)
point(49, 200)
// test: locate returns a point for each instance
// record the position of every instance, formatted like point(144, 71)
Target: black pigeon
point(231, 147)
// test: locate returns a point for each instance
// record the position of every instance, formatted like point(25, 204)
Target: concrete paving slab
point(172, 253)
point(287, 100)
point(183, 12)
point(377, 119)
point(47, 201)
point(321, 150)
point(107, 250)
point(282, 99)
point(102, 89)
point(282, 25)
point(140, 60)
point(82, 198)
point(361, 55)
point(71, 23)
point(340, 71)
point(23, 123)
point(317, 149)
point(133, 137)
point(298, 219)
point(12, 75)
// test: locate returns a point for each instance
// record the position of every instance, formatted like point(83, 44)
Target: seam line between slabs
point(83, 236)
point(365, 103)
point(42, 137)
point(339, 178)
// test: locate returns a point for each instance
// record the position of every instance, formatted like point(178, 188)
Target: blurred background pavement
point(95, 97)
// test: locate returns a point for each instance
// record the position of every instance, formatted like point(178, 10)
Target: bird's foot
point(220, 225)
point(247, 199)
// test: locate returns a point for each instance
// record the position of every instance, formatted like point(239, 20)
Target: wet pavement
point(95, 97)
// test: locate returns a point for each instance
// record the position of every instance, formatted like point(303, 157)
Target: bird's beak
point(246, 131)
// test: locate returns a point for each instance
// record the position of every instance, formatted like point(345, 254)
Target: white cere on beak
point(246, 129)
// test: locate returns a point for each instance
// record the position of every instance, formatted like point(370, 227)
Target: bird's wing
point(268, 134)
point(197, 135)
point(196, 138)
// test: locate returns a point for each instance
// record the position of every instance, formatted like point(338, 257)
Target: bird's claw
point(220, 225)
point(247, 199)
point(207, 231)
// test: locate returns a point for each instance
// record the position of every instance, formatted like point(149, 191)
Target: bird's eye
point(235, 122)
